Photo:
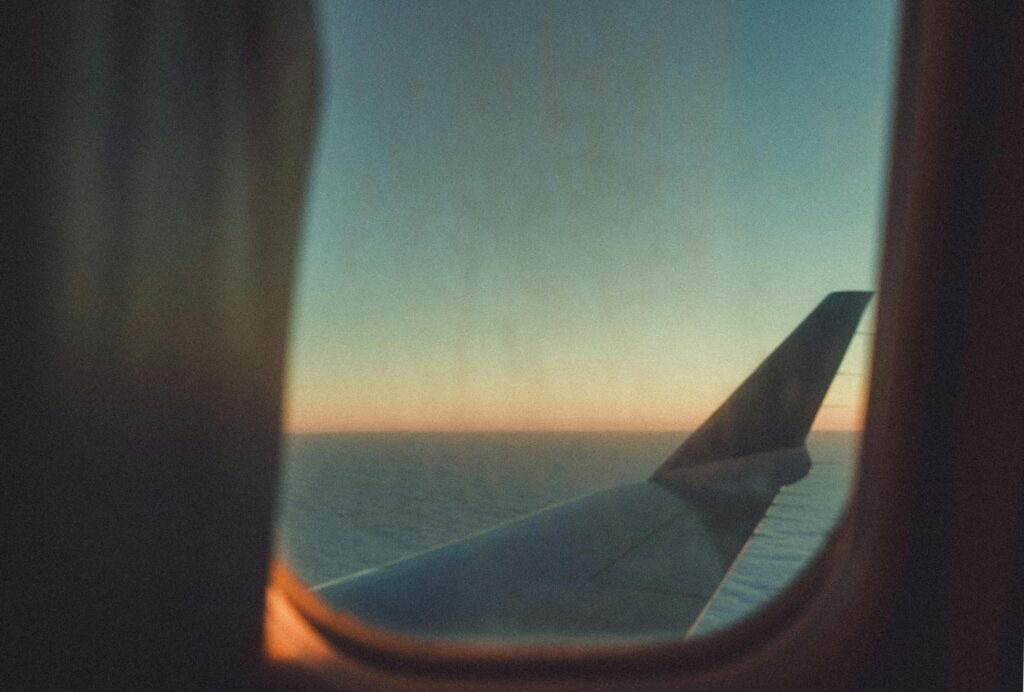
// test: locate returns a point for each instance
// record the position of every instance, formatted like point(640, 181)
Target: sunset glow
point(582, 216)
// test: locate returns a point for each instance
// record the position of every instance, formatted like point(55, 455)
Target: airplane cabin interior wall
point(153, 173)
point(153, 170)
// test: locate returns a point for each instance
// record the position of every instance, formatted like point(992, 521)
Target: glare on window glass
point(582, 327)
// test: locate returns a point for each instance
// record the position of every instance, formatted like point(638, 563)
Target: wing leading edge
point(639, 561)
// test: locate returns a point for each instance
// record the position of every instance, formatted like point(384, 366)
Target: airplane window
point(582, 328)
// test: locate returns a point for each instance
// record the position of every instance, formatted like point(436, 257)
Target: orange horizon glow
point(829, 418)
point(331, 431)
point(553, 391)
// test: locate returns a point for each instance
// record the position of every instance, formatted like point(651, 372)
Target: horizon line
point(519, 430)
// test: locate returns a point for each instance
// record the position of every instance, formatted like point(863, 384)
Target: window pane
point(546, 241)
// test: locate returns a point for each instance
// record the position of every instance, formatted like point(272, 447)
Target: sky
point(582, 215)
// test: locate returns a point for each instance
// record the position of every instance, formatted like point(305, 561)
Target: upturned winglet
point(774, 407)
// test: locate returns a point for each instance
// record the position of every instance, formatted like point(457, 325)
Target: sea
point(353, 501)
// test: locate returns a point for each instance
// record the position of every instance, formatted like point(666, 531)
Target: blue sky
point(581, 215)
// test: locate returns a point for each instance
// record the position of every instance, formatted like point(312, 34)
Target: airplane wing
point(639, 560)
